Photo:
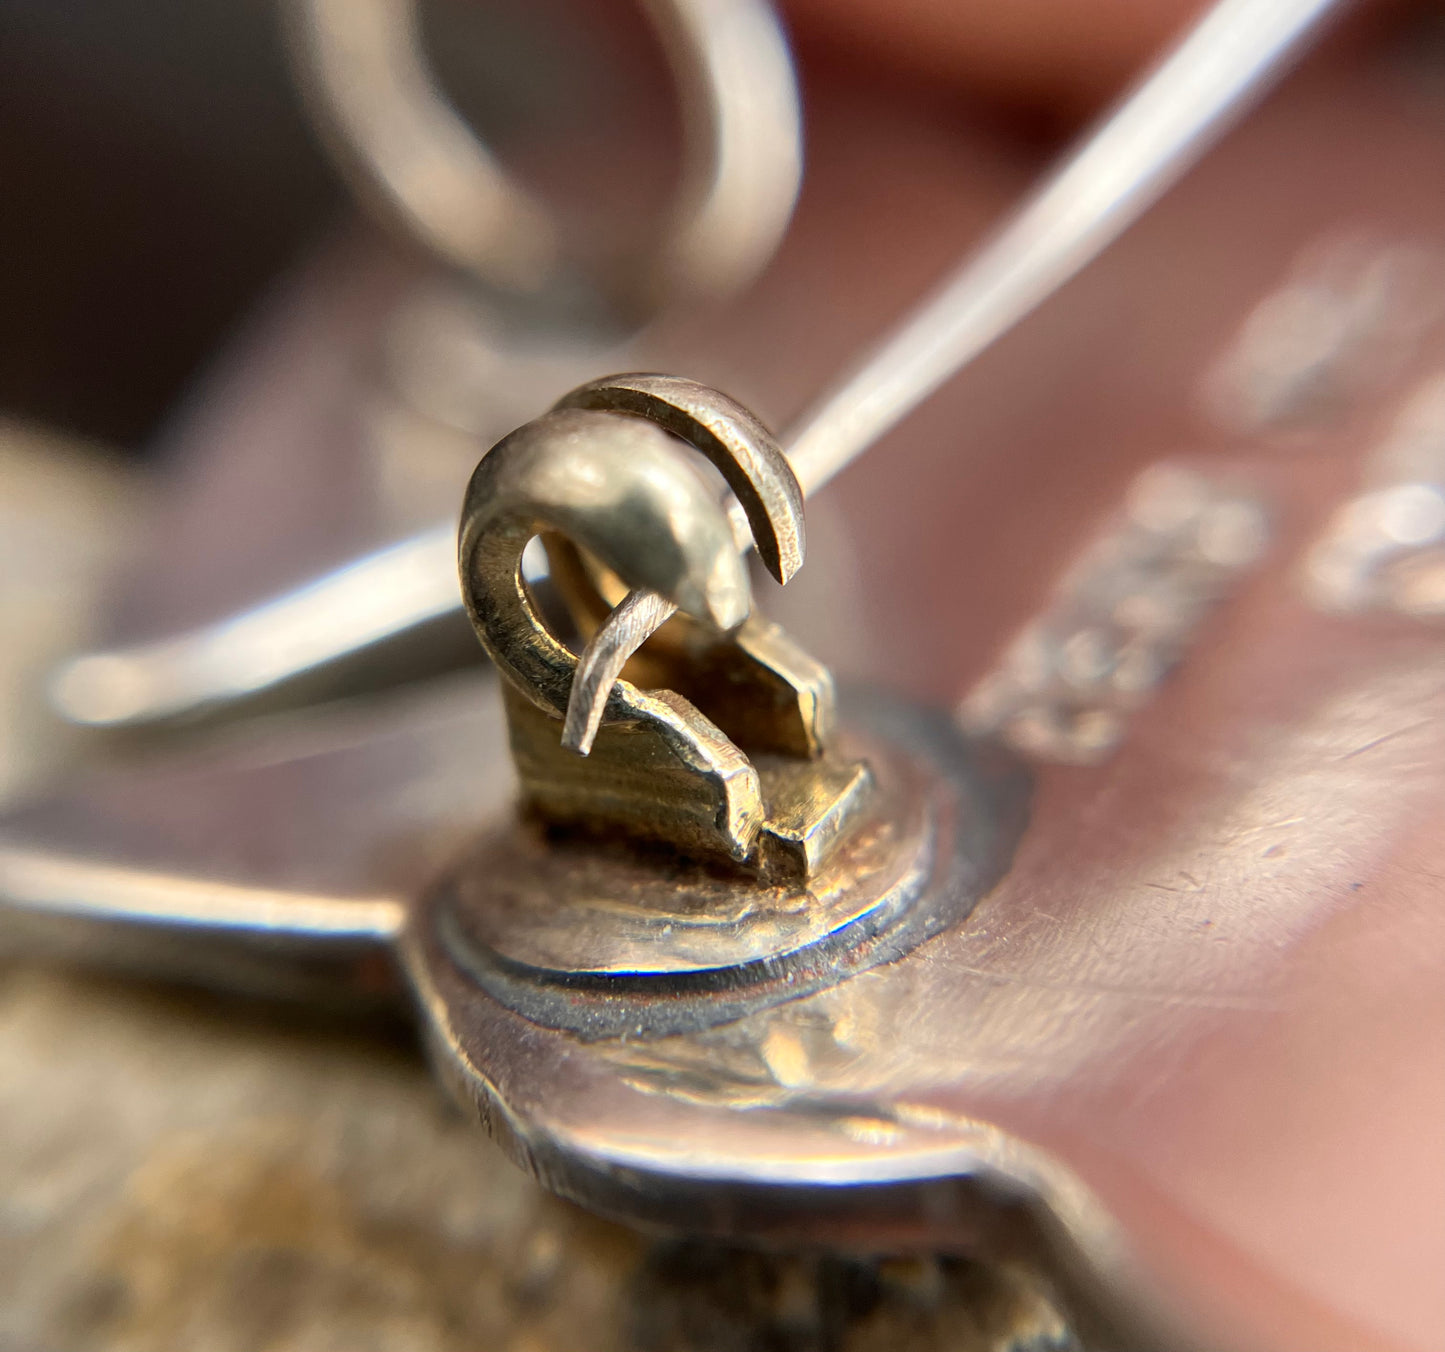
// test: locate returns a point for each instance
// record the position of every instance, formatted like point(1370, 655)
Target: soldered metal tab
point(696, 830)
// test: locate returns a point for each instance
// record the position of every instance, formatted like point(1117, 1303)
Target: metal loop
point(401, 142)
point(618, 488)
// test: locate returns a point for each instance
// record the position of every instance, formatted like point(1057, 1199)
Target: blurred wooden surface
point(178, 1172)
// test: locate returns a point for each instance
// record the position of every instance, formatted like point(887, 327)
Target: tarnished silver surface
point(1159, 995)
point(722, 746)
point(606, 943)
point(634, 620)
point(832, 1117)
point(567, 909)
point(427, 750)
point(767, 514)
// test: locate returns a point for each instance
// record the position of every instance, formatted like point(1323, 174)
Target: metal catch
point(718, 740)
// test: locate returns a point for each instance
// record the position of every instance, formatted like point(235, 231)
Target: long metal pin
point(1148, 142)
point(1141, 149)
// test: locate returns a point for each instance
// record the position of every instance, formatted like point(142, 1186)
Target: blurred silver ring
point(409, 153)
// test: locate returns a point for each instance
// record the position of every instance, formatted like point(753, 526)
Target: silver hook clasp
point(721, 749)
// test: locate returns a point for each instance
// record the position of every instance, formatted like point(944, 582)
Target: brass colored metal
point(672, 776)
point(616, 486)
point(811, 806)
point(599, 936)
point(669, 758)
point(757, 684)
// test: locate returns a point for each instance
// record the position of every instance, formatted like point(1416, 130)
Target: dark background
point(158, 170)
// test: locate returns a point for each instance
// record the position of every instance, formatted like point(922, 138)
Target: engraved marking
point(1121, 619)
point(1350, 314)
point(1384, 550)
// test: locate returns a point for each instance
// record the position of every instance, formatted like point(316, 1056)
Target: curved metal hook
point(607, 477)
point(754, 467)
point(618, 488)
point(392, 129)
point(737, 445)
